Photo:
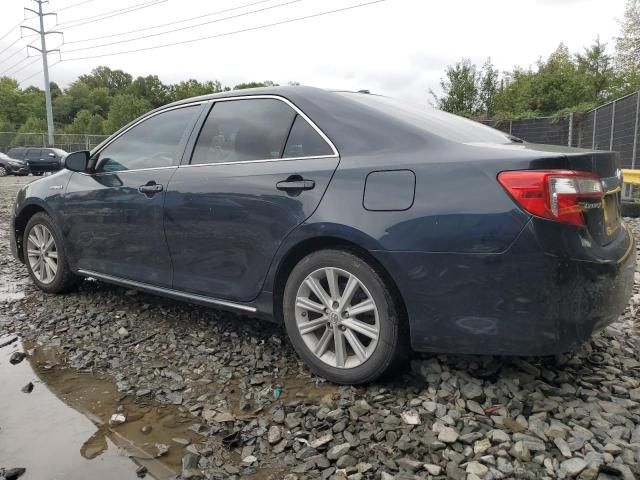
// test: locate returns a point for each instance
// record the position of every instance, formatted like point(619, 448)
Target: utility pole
point(45, 64)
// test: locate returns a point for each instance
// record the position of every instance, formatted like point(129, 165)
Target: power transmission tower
point(45, 64)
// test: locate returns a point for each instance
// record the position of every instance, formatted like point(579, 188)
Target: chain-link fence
point(69, 142)
point(612, 126)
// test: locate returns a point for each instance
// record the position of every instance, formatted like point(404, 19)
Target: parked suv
point(40, 160)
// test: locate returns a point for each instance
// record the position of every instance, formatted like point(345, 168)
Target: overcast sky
point(396, 47)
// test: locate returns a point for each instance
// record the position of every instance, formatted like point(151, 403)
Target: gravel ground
point(260, 412)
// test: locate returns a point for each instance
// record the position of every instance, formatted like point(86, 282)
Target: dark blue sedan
point(367, 226)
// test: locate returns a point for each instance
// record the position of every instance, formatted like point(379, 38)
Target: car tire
point(309, 321)
point(3, 171)
point(43, 248)
point(37, 174)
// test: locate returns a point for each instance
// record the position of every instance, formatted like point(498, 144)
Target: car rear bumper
point(520, 302)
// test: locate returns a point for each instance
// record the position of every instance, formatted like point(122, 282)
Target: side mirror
point(52, 155)
point(77, 161)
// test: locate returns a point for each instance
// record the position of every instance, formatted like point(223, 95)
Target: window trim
point(262, 160)
point(126, 129)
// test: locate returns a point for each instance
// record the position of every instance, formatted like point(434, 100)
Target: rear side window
point(243, 130)
point(305, 141)
point(154, 143)
point(436, 122)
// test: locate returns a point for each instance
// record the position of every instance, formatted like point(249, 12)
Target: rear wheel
point(3, 171)
point(45, 256)
point(341, 317)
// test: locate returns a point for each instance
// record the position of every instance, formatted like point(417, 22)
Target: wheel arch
point(20, 223)
point(305, 247)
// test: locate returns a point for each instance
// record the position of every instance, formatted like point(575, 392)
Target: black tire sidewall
point(64, 275)
point(388, 341)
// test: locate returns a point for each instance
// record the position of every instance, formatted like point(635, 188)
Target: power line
point(271, 7)
point(37, 72)
point(10, 45)
point(75, 5)
point(8, 69)
point(11, 29)
point(12, 55)
point(259, 27)
point(35, 60)
point(169, 23)
point(111, 14)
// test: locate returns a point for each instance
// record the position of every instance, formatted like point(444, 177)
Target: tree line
point(562, 82)
point(98, 103)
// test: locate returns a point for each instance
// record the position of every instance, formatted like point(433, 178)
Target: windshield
point(437, 122)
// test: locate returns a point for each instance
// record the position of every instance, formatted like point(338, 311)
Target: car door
point(113, 218)
point(33, 158)
point(259, 169)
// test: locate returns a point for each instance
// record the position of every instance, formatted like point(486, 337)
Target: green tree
point(86, 122)
point(627, 58)
point(266, 83)
point(628, 43)
point(124, 109)
point(192, 88)
point(151, 89)
point(488, 88)
point(25, 135)
point(55, 89)
point(116, 81)
point(557, 84)
point(561, 82)
point(9, 101)
point(80, 96)
point(595, 68)
point(460, 89)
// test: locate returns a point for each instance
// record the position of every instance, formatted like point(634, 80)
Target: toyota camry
point(368, 227)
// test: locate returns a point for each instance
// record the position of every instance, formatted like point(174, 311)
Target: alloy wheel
point(337, 317)
point(42, 252)
point(3, 172)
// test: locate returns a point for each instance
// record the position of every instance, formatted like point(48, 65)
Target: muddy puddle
point(60, 430)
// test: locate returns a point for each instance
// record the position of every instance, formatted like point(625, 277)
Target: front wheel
point(45, 256)
point(341, 317)
point(3, 171)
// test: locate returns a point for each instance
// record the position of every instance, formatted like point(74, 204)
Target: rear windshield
point(437, 122)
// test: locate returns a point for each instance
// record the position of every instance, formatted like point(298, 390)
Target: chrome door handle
point(150, 188)
point(296, 185)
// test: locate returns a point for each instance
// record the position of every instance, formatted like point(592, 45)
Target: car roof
point(282, 91)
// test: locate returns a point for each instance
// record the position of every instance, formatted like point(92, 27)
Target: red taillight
point(554, 194)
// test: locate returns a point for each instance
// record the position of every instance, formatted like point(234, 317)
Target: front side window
point(243, 130)
point(156, 142)
point(305, 141)
point(33, 153)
